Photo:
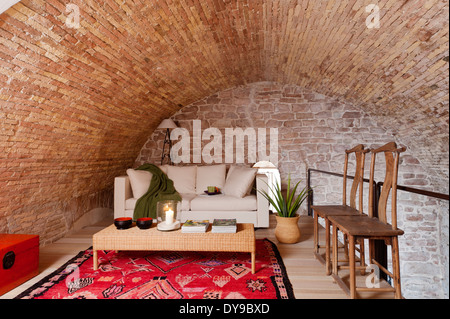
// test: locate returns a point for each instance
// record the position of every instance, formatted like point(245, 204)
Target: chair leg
point(362, 256)
point(346, 246)
point(327, 247)
point(351, 243)
point(335, 250)
point(396, 268)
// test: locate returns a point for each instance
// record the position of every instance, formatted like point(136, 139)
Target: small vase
point(287, 230)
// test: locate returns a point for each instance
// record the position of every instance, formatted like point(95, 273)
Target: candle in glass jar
point(169, 217)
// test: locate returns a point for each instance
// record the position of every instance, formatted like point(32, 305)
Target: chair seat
point(335, 210)
point(364, 226)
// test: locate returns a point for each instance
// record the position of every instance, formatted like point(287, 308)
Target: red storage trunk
point(19, 260)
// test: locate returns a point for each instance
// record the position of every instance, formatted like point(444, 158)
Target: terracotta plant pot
point(287, 230)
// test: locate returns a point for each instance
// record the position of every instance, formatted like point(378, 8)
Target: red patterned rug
point(168, 275)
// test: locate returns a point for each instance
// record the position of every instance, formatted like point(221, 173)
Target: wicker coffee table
point(134, 238)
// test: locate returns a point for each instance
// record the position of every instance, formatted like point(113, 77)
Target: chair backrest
point(358, 180)
point(392, 155)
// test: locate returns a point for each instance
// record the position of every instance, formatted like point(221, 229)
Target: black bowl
point(144, 222)
point(123, 222)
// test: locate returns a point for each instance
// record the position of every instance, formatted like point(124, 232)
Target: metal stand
point(166, 141)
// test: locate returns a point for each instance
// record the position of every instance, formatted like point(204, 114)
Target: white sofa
point(238, 199)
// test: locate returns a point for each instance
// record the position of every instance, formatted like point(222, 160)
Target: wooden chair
point(326, 211)
point(358, 228)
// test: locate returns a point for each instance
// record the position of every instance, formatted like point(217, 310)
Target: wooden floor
point(305, 272)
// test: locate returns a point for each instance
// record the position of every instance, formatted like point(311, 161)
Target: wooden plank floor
point(305, 272)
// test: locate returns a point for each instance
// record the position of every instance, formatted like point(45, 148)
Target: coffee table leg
point(253, 262)
point(95, 260)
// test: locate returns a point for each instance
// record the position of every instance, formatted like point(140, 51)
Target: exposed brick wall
point(52, 219)
point(314, 130)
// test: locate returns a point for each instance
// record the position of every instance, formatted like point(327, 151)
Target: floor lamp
point(167, 124)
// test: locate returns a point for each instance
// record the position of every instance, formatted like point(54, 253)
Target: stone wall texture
point(313, 132)
point(83, 83)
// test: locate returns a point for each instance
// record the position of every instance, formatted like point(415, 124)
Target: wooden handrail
point(420, 191)
point(308, 181)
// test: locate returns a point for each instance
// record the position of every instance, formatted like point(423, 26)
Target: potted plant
point(286, 205)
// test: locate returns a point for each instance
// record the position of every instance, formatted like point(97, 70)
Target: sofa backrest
point(237, 181)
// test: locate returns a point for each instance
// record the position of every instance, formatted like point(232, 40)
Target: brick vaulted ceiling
point(78, 102)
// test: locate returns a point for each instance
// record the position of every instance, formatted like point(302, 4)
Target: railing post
point(310, 192)
point(380, 247)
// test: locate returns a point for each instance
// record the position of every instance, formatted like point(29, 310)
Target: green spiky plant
point(286, 205)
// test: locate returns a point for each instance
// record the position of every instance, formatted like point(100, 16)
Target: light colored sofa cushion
point(186, 201)
point(130, 203)
point(140, 181)
point(183, 178)
point(239, 181)
point(224, 203)
point(164, 168)
point(212, 175)
point(230, 172)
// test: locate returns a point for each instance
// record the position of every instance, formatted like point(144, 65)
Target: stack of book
point(224, 226)
point(195, 226)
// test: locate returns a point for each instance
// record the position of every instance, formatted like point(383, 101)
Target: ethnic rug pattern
point(168, 275)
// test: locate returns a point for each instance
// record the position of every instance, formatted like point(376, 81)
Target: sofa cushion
point(130, 203)
point(230, 172)
point(140, 181)
point(213, 175)
point(183, 178)
point(238, 181)
point(186, 200)
point(164, 168)
point(223, 202)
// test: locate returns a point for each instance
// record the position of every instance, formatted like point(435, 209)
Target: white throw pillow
point(213, 175)
point(140, 181)
point(230, 171)
point(239, 180)
point(183, 178)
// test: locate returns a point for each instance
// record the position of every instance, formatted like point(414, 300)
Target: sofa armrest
point(262, 202)
point(122, 192)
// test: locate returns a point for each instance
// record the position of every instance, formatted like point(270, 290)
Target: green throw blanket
point(161, 188)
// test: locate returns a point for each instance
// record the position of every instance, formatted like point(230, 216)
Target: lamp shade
point(6, 4)
point(167, 123)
